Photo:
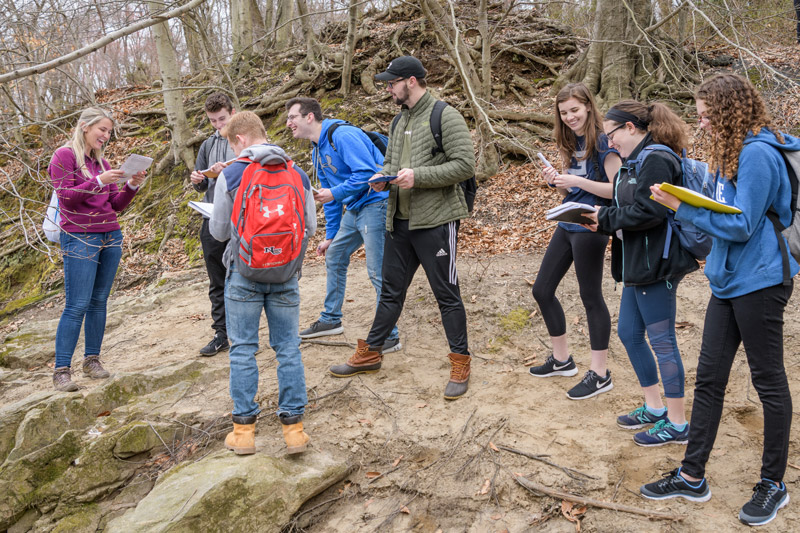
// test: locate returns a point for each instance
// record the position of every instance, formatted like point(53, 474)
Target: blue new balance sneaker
point(639, 418)
point(674, 485)
point(664, 432)
point(763, 506)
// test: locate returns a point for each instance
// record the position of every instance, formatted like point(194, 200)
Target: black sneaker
point(554, 367)
point(391, 345)
point(673, 485)
point(320, 329)
point(763, 506)
point(591, 385)
point(217, 344)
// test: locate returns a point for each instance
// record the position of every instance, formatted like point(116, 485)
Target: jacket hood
point(766, 136)
point(266, 154)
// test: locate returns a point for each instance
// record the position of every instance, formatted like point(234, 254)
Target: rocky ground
point(143, 451)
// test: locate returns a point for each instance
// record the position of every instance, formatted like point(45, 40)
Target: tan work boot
point(62, 380)
point(242, 440)
point(459, 376)
point(366, 360)
point(93, 369)
point(296, 439)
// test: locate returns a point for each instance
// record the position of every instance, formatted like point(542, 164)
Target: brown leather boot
point(296, 439)
point(459, 376)
point(242, 440)
point(366, 360)
point(62, 380)
point(93, 369)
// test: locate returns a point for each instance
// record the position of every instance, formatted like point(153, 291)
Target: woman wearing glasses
point(650, 273)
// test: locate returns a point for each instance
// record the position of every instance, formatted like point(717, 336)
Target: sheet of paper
point(135, 163)
point(381, 178)
point(204, 208)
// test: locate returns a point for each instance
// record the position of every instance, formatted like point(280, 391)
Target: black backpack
point(469, 186)
point(378, 139)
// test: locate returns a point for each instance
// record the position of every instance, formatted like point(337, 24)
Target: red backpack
point(269, 220)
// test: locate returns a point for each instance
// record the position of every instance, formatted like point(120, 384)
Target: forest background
point(154, 63)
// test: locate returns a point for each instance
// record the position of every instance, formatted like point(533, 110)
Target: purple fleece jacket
point(86, 206)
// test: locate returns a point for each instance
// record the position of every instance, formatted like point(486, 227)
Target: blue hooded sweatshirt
point(746, 256)
point(345, 171)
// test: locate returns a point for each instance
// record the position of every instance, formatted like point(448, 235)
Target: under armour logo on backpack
point(267, 212)
point(273, 250)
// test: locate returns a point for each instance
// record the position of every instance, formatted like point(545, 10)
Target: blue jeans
point(368, 227)
point(244, 301)
point(90, 264)
point(651, 309)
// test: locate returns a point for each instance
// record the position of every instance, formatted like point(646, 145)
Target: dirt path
point(424, 464)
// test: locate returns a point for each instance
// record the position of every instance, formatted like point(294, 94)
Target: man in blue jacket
point(354, 214)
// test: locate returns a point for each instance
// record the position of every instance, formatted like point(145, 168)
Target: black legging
point(587, 251)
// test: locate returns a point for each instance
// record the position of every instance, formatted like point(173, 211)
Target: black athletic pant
point(403, 252)
point(212, 254)
point(755, 319)
point(587, 250)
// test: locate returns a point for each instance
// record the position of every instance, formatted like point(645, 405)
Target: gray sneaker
point(391, 345)
point(93, 369)
point(62, 380)
point(321, 329)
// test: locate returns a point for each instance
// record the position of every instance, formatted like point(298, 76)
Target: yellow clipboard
point(698, 200)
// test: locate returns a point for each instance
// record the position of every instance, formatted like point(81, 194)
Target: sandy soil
point(421, 463)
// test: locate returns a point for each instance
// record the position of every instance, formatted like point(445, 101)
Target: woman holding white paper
point(751, 282)
point(581, 142)
point(648, 263)
point(91, 240)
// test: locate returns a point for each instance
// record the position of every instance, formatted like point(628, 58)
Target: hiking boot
point(554, 367)
point(639, 418)
point(320, 329)
point(391, 345)
point(591, 385)
point(93, 369)
point(459, 376)
point(674, 485)
point(242, 440)
point(366, 360)
point(763, 506)
point(62, 380)
point(664, 432)
point(217, 344)
point(296, 439)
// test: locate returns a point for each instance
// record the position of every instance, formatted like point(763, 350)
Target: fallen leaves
point(373, 475)
point(573, 513)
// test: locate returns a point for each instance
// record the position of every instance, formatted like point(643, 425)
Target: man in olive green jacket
point(426, 204)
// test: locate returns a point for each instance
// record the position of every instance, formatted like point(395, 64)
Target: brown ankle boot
point(93, 369)
point(62, 380)
point(242, 440)
point(366, 360)
point(296, 439)
point(459, 376)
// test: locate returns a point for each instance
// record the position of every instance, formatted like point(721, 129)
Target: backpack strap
point(436, 125)
point(772, 215)
point(333, 127)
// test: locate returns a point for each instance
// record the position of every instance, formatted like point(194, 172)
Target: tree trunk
point(194, 48)
point(350, 46)
point(241, 31)
point(259, 28)
point(283, 28)
point(312, 46)
point(173, 98)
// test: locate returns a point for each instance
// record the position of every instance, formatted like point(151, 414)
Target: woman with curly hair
point(749, 289)
point(582, 143)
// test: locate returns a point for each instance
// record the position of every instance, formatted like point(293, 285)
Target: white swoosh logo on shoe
point(601, 384)
point(565, 365)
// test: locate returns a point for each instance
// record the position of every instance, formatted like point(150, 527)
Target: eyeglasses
point(390, 84)
point(293, 117)
point(611, 133)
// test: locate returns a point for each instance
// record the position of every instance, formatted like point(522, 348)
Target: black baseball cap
point(402, 67)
